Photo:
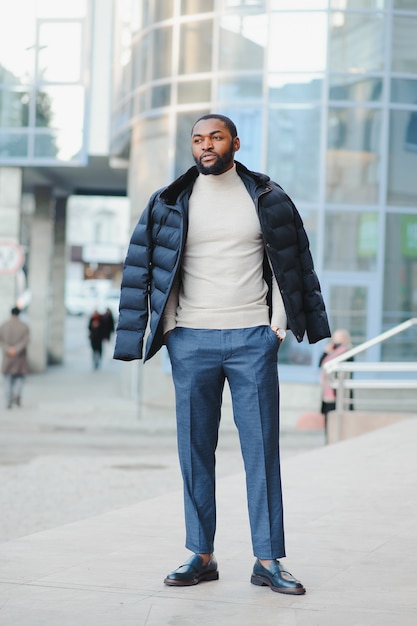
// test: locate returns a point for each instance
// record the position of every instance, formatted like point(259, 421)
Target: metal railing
point(341, 373)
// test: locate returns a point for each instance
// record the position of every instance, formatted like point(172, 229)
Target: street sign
point(12, 257)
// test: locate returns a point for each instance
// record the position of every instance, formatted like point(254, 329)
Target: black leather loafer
point(193, 572)
point(277, 578)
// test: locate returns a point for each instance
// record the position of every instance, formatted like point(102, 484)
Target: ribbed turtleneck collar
point(218, 180)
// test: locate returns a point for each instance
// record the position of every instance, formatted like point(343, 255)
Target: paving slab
point(78, 446)
point(351, 528)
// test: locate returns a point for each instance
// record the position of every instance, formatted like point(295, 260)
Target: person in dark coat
point(14, 339)
point(96, 338)
point(107, 324)
point(220, 262)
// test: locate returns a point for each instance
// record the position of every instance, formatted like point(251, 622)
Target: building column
point(57, 317)
point(11, 257)
point(39, 275)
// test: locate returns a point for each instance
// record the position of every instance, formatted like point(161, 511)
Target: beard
point(219, 166)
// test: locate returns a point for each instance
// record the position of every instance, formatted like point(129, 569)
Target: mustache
point(208, 153)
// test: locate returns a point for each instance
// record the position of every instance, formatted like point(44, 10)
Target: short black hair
point(15, 310)
point(217, 116)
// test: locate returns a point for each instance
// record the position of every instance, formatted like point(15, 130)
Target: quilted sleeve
point(134, 297)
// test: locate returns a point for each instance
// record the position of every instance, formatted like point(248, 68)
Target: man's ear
point(236, 143)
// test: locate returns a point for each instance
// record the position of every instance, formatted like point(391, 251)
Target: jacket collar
point(170, 194)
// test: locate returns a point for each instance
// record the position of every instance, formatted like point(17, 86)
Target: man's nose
point(207, 143)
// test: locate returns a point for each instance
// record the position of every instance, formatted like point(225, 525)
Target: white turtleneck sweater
point(221, 284)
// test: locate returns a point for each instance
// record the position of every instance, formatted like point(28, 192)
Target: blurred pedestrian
point(107, 323)
point(95, 328)
point(339, 343)
point(14, 339)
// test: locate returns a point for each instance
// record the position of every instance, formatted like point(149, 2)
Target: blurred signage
point(368, 235)
point(102, 253)
point(409, 236)
point(12, 257)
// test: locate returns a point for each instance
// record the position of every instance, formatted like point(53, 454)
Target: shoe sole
point(171, 582)
point(265, 582)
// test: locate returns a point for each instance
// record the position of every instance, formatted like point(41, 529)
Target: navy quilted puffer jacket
point(155, 252)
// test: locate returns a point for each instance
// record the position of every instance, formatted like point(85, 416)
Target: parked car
point(82, 297)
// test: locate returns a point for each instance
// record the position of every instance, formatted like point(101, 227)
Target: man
point(14, 338)
point(222, 259)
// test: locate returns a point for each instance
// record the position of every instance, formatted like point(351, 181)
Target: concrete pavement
point(82, 448)
point(350, 512)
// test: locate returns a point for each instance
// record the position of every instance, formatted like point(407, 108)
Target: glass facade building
point(55, 77)
point(43, 63)
point(324, 96)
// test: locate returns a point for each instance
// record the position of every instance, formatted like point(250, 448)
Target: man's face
point(213, 146)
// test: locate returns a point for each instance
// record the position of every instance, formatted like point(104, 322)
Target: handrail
point(380, 366)
point(340, 370)
point(330, 366)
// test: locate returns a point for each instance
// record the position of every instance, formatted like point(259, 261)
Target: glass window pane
point(285, 5)
point(400, 284)
point(60, 51)
point(258, 5)
point(355, 88)
point(242, 42)
point(196, 6)
point(52, 8)
point(309, 217)
point(406, 5)
point(347, 308)
point(145, 18)
point(140, 102)
point(351, 241)
point(17, 45)
point(356, 42)
point(297, 42)
point(14, 108)
point(120, 131)
point(63, 145)
point(13, 145)
point(353, 155)
point(163, 10)
point(293, 146)
point(240, 88)
point(152, 136)
point(294, 353)
point(402, 159)
point(404, 57)
point(60, 107)
point(183, 156)
point(295, 87)
point(194, 91)
point(404, 91)
point(196, 46)
point(248, 122)
point(161, 96)
point(162, 57)
point(358, 4)
point(46, 146)
point(141, 54)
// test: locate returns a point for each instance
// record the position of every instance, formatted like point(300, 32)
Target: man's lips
point(208, 157)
